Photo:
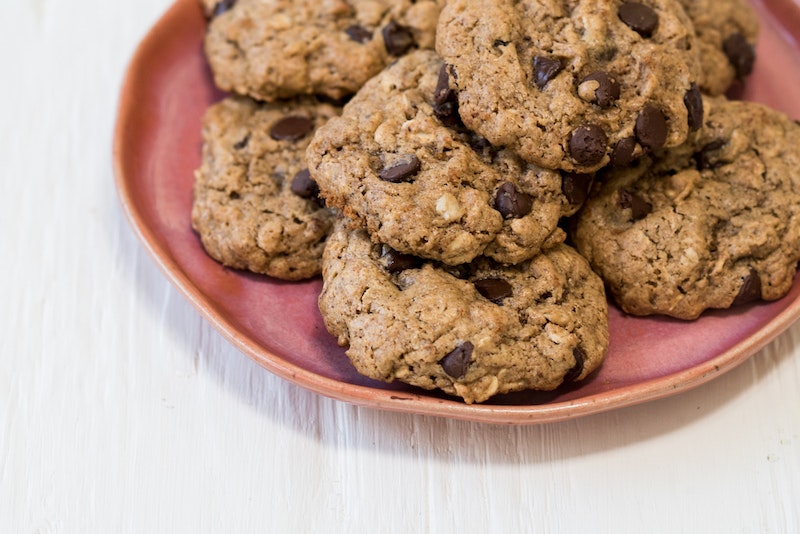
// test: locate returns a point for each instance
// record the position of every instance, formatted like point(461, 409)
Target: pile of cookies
point(471, 177)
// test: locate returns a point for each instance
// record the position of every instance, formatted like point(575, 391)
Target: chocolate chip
point(358, 33)
point(403, 171)
point(396, 261)
point(545, 69)
point(456, 362)
point(443, 93)
point(651, 128)
point(750, 290)
point(607, 91)
point(494, 289)
point(512, 203)
point(639, 17)
point(397, 39)
point(740, 53)
point(291, 128)
point(639, 207)
point(703, 157)
point(587, 144)
point(304, 186)
point(580, 357)
point(222, 6)
point(575, 187)
point(445, 100)
point(242, 142)
point(694, 105)
point(622, 155)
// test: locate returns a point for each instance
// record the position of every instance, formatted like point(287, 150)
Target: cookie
point(711, 224)
point(271, 49)
point(399, 161)
point(727, 31)
point(255, 206)
point(573, 84)
point(475, 330)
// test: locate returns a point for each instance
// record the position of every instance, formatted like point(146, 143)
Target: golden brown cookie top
point(573, 84)
point(475, 330)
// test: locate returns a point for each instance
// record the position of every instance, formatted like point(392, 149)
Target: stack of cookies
point(471, 177)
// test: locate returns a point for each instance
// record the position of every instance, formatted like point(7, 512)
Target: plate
point(157, 142)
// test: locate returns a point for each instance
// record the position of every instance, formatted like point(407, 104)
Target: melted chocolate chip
point(494, 289)
point(396, 262)
point(694, 106)
point(639, 207)
point(651, 128)
point(445, 100)
point(443, 93)
point(397, 39)
point(575, 187)
point(545, 69)
point(222, 6)
point(580, 358)
point(639, 17)
point(622, 155)
point(511, 203)
point(403, 171)
point(242, 143)
point(456, 362)
point(740, 53)
point(703, 157)
point(750, 290)
point(304, 186)
point(608, 88)
point(587, 144)
point(291, 128)
point(358, 33)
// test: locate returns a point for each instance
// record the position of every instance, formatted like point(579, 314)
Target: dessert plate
point(157, 142)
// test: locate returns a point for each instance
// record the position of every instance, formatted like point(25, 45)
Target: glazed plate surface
point(157, 147)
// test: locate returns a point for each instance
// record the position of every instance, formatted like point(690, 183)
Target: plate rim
point(386, 399)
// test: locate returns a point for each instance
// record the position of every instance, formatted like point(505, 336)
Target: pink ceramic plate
point(157, 147)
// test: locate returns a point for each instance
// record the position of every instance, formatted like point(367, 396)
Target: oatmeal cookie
point(271, 49)
point(475, 330)
point(727, 32)
point(710, 224)
point(255, 206)
point(574, 84)
point(400, 162)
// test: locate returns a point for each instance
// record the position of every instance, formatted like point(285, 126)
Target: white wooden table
point(122, 410)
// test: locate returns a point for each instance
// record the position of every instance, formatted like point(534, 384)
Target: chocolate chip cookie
point(283, 48)
point(255, 206)
point(727, 31)
point(475, 330)
point(573, 84)
point(400, 162)
point(710, 224)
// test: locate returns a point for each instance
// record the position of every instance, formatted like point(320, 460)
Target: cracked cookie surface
point(710, 224)
point(573, 84)
point(254, 205)
point(271, 49)
point(399, 161)
point(475, 330)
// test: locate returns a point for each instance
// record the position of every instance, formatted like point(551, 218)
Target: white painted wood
point(122, 410)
